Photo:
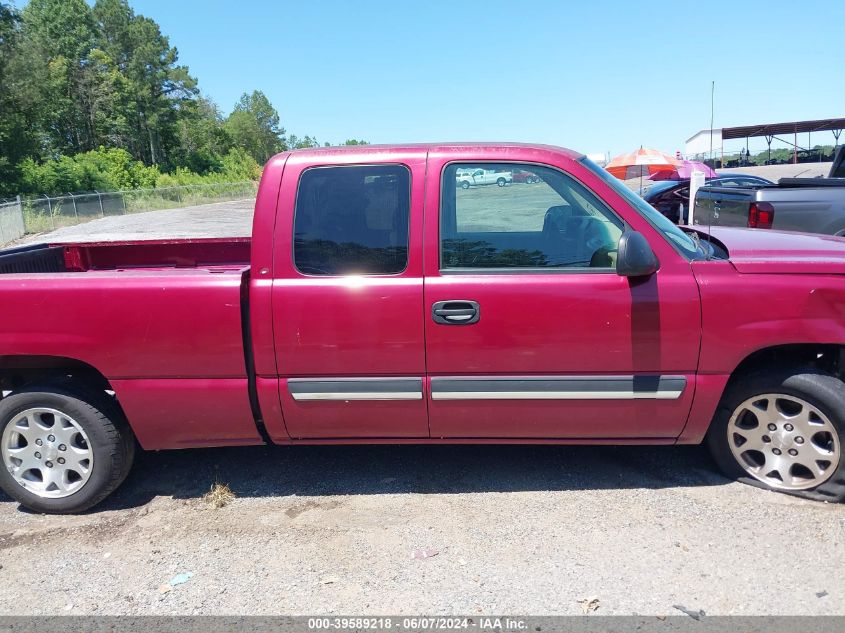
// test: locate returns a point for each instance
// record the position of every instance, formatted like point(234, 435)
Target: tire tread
point(807, 382)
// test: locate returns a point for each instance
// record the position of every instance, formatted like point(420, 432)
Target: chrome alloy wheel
point(47, 453)
point(784, 441)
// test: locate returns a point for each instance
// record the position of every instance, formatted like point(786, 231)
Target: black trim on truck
point(38, 258)
point(249, 361)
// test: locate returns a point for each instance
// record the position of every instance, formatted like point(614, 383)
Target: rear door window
point(352, 220)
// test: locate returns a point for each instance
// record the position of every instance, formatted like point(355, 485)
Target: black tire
point(110, 439)
point(501, 182)
point(464, 184)
point(820, 390)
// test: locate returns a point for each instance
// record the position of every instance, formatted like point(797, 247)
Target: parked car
point(477, 177)
point(810, 205)
point(671, 197)
point(527, 177)
point(374, 303)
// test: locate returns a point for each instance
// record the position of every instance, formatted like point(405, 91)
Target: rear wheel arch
point(17, 371)
point(20, 372)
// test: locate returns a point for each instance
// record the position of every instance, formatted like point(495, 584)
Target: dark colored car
point(667, 196)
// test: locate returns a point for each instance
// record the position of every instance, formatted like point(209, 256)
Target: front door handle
point(455, 312)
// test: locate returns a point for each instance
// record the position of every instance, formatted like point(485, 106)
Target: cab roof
point(439, 148)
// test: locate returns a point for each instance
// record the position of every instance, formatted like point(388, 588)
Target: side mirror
point(635, 257)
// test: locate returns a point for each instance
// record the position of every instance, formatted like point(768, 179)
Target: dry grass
point(219, 495)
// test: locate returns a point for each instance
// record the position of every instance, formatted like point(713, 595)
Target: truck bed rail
point(812, 182)
point(227, 253)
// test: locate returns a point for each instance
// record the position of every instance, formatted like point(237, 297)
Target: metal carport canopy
point(771, 129)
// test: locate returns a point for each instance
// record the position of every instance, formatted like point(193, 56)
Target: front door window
point(544, 220)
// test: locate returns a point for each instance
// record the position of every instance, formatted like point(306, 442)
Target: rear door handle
point(455, 312)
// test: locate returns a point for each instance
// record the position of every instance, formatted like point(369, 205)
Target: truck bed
point(218, 254)
point(162, 321)
point(807, 205)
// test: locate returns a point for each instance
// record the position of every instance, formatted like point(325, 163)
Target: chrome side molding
point(491, 388)
point(304, 389)
point(558, 388)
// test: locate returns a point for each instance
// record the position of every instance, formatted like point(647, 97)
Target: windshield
point(683, 242)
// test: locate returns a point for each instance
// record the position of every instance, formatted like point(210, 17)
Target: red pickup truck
point(377, 301)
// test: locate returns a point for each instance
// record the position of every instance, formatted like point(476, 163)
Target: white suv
point(467, 178)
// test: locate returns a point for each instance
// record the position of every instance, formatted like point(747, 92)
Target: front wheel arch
point(827, 357)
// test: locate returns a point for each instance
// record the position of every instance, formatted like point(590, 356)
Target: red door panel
point(341, 326)
point(349, 338)
point(561, 336)
point(565, 323)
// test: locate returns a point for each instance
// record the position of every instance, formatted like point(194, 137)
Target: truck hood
point(765, 251)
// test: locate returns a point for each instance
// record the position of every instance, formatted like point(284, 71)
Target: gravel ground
point(220, 219)
point(520, 529)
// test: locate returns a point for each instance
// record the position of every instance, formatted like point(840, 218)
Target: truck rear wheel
point(783, 431)
point(63, 449)
point(501, 182)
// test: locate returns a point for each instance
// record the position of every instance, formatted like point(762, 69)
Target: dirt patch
point(301, 508)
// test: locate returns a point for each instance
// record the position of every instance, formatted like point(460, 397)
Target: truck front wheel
point(64, 450)
point(783, 431)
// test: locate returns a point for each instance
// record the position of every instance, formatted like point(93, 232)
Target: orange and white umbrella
point(641, 164)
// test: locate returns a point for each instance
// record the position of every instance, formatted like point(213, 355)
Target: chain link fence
point(11, 220)
point(37, 214)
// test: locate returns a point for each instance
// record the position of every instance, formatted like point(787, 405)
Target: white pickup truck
point(467, 178)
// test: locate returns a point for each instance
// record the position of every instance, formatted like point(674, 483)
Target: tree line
point(94, 97)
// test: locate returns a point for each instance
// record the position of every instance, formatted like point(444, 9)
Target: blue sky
point(596, 76)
